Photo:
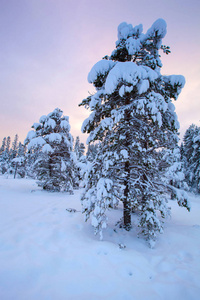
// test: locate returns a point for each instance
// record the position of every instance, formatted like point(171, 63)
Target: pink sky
point(49, 46)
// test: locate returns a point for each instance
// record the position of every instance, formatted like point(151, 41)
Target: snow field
point(47, 252)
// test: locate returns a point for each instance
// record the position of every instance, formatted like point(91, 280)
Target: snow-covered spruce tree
point(18, 163)
point(8, 142)
point(51, 143)
point(189, 135)
point(3, 146)
point(187, 152)
point(134, 118)
point(92, 151)
point(5, 156)
point(191, 157)
point(13, 150)
point(79, 148)
point(3, 164)
point(196, 162)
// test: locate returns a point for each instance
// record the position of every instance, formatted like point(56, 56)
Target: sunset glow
point(48, 48)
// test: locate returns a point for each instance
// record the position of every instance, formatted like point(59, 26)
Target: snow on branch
point(36, 142)
point(50, 123)
point(127, 30)
point(158, 29)
point(47, 149)
point(100, 68)
point(54, 137)
point(130, 74)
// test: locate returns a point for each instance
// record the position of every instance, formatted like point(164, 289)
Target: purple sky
point(47, 48)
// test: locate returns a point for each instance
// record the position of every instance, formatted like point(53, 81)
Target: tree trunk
point(126, 202)
point(15, 170)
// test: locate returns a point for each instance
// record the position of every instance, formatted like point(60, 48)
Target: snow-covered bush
point(134, 119)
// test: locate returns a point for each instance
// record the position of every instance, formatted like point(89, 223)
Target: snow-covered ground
point(47, 252)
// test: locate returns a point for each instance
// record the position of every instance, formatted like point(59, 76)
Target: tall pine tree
point(134, 119)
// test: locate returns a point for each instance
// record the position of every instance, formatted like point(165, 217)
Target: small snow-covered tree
point(189, 135)
point(134, 119)
point(3, 146)
point(5, 156)
point(50, 143)
point(21, 150)
point(92, 151)
point(3, 163)
point(196, 162)
point(18, 163)
point(13, 151)
point(187, 151)
point(191, 157)
point(79, 148)
point(8, 142)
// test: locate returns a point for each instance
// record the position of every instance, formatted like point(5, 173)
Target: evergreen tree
point(19, 161)
point(13, 153)
point(92, 152)
point(8, 142)
point(134, 119)
point(196, 161)
point(18, 166)
point(191, 157)
point(79, 148)
point(21, 150)
point(3, 146)
point(188, 141)
point(5, 157)
point(50, 145)
point(182, 152)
